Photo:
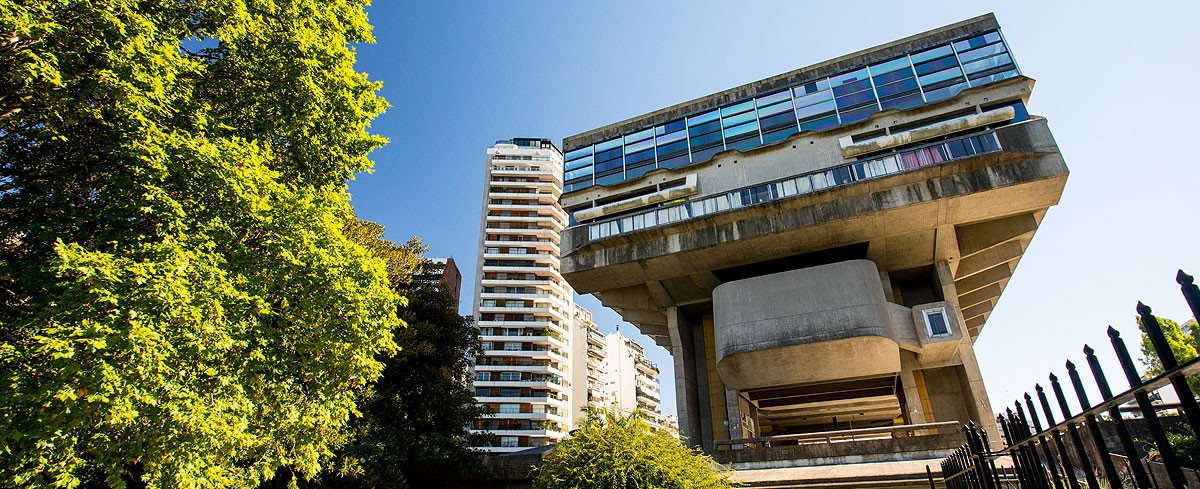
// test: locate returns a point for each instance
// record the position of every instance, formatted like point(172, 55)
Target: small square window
point(936, 323)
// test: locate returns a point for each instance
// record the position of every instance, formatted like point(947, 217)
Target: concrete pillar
point(912, 396)
point(733, 415)
point(976, 393)
point(683, 356)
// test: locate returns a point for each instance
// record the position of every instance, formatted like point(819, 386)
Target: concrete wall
point(794, 320)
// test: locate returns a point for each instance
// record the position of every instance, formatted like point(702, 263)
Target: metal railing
point(1058, 455)
point(918, 429)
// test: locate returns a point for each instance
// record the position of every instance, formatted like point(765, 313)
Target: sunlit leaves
point(179, 300)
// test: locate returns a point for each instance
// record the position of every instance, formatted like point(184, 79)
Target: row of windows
point(810, 182)
point(917, 78)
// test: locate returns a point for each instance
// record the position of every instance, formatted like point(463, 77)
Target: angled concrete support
point(979, 237)
point(984, 260)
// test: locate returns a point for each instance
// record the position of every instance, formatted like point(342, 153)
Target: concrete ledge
point(851, 452)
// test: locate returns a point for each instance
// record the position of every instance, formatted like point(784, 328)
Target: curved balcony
point(836, 311)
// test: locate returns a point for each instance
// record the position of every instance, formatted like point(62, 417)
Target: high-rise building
point(820, 250)
point(590, 358)
point(632, 379)
point(441, 271)
point(523, 306)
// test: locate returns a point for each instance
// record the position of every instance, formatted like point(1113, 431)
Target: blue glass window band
point(924, 76)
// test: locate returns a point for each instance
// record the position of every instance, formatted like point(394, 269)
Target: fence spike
point(1191, 293)
point(1157, 339)
point(1131, 373)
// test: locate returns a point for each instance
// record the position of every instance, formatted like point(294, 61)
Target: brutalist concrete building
point(820, 250)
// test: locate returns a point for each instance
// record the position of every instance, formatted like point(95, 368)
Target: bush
point(614, 450)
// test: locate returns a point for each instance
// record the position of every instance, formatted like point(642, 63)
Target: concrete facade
point(855, 303)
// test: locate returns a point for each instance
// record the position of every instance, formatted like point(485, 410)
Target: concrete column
point(733, 415)
point(976, 393)
point(683, 356)
point(912, 396)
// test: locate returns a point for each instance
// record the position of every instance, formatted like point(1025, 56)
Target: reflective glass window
point(573, 174)
point(982, 52)
point(813, 99)
point(896, 88)
point(858, 114)
point(852, 87)
point(892, 76)
point(889, 66)
point(940, 77)
point(811, 87)
point(672, 149)
point(844, 78)
point(707, 127)
point(765, 111)
point(737, 109)
point(736, 131)
point(737, 119)
point(814, 110)
point(778, 120)
point(609, 179)
point(638, 136)
point(608, 165)
point(585, 161)
point(608, 145)
point(980, 80)
point(633, 159)
point(934, 53)
point(819, 124)
point(776, 97)
point(639, 146)
point(936, 65)
point(578, 153)
point(855, 99)
point(903, 102)
point(702, 118)
point(670, 127)
point(632, 173)
point(706, 140)
point(944, 92)
point(778, 135)
point(748, 142)
point(987, 63)
point(977, 41)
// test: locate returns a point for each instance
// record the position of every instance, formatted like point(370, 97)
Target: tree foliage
point(617, 451)
point(419, 411)
point(181, 303)
point(1184, 341)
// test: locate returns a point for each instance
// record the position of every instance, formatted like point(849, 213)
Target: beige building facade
point(821, 250)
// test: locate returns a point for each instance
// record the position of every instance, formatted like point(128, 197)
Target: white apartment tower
point(523, 306)
point(632, 379)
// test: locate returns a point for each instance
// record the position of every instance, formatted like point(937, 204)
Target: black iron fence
point(1057, 456)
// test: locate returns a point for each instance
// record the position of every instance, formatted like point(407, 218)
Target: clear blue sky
point(1116, 81)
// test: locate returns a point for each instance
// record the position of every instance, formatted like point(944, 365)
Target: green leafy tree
point(617, 451)
point(1183, 339)
point(416, 417)
point(181, 302)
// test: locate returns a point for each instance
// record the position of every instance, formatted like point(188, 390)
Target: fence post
point(1073, 430)
point(1131, 452)
point(1094, 427)
point(1167, 357)
point(1008, 424)
point(1051, 462)
point(1191, 293)
point(1068, 468)
point(1148, 412)
point(1031, 451)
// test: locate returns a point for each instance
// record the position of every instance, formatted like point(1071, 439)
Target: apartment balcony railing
point(846, 174)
